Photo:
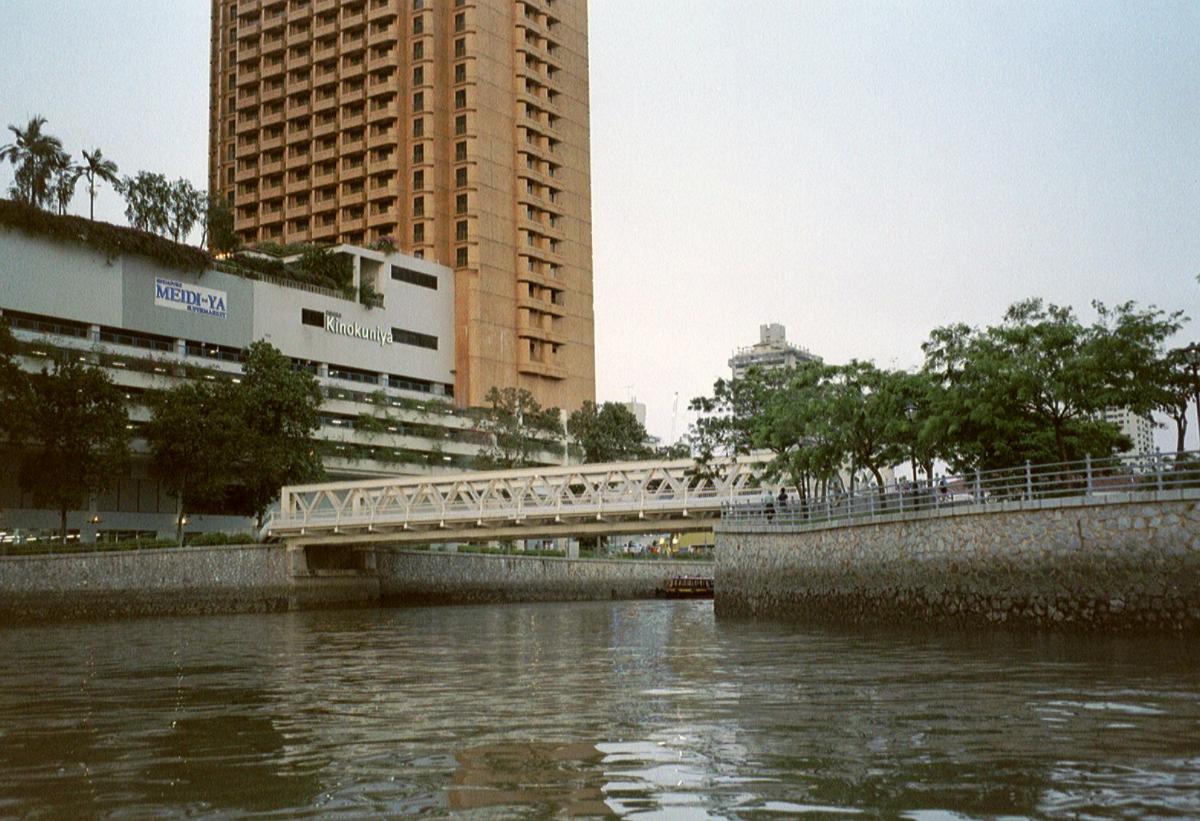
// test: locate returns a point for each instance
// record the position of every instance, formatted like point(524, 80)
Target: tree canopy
point(79, 440)
point(518, 427)
point(39, 165)
point(194, 436)
point(608, 433)
point(1033, 387)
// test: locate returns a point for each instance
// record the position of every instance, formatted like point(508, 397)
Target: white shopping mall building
point(386, 370)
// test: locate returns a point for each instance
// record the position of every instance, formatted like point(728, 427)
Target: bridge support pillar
point(297, 560)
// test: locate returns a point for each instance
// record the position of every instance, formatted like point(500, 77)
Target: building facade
point(1139, 429)
point(772, 351)
point(455, 129)
point(385, 369)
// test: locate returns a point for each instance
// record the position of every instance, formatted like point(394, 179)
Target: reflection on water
point(638, 709)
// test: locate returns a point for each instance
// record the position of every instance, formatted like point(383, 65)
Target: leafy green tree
point(97, 168)
point(219, 232)
point(1175, 394)
point(66, 177)
point(185, 207)
point(170, 209)
point(672, 452)
point(16, 400)
point(147, 198)
point(35, 156)
point(1034, 387)
point(517, 425)
point(866, 402)
point(608, 433)
point(194, 436)
point(325, 267)
point(782, 410)
point(80, 441)
point(278, 407)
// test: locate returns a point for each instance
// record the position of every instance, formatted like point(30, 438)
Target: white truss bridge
point(546, 502)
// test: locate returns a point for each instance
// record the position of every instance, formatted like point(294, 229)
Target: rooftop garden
point(307, 264)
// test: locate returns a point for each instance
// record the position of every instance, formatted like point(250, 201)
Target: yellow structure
point(455, 129)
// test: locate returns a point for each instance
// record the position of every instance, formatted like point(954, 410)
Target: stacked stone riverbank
point(274, 577)
point(432, 577)
point(1132, 564)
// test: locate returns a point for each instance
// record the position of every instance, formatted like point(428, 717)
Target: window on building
point(460, 231)
point(418, 180)
point(460, 47)
point(418, 76)
point(460, 73)
point(418, 24)
point(460, 177)
point(419, 153)
point(460, 204)
point(419, 50)
point(419, 127)
point(419, 232)
point(460, 151)
point(418, 101)
point(418, 206)
point(460, 257)
point(414, 277)
point(420, 340)
point(460, 124)
point(460, 98)
point(460, 21)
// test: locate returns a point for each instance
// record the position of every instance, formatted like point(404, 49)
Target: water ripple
point(633, 709)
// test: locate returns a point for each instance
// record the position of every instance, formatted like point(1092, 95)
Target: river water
point(638, 709)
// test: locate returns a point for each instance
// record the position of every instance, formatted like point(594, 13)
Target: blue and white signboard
point(171, 293)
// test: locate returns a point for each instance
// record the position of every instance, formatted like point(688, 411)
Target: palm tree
point(66, 177)
point(97, 167)
point(35, 156)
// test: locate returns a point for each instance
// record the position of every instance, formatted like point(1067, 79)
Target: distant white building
point(1140, 429)
point(772, 351)
point(638, 409)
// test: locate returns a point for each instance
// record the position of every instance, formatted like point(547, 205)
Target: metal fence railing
point(1096, 479)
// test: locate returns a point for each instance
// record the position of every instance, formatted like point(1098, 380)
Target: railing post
point(1087, 462)
point(1028, 481)
point(978, 488)
point(1158, 468)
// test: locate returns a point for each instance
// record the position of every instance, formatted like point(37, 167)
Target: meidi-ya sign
point(171, 293)
point(334, 324)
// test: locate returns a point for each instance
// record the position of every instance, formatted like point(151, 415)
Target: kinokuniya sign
point(334, 324)
point(171, 293)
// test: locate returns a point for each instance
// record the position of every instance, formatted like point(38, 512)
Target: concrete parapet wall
point(1132, 563)
point(431, 577)
point(229, 578)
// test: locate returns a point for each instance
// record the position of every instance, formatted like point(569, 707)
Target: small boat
point(685, 587)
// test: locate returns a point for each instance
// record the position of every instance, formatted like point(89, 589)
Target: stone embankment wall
point(233, 578)
point(425, 577)
point(1129, 565)
point(260, 578)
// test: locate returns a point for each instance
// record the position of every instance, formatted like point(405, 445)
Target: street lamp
point(1191, 355)
point(910, 411)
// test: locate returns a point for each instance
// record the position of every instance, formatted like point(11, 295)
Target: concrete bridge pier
point(331, 576)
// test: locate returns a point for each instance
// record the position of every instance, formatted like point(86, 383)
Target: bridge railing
point(560, 493)
point(1107, 479)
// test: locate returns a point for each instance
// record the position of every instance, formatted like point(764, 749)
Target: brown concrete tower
point(457, 128)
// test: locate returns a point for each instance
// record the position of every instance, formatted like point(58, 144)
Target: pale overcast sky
point(859, 172)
